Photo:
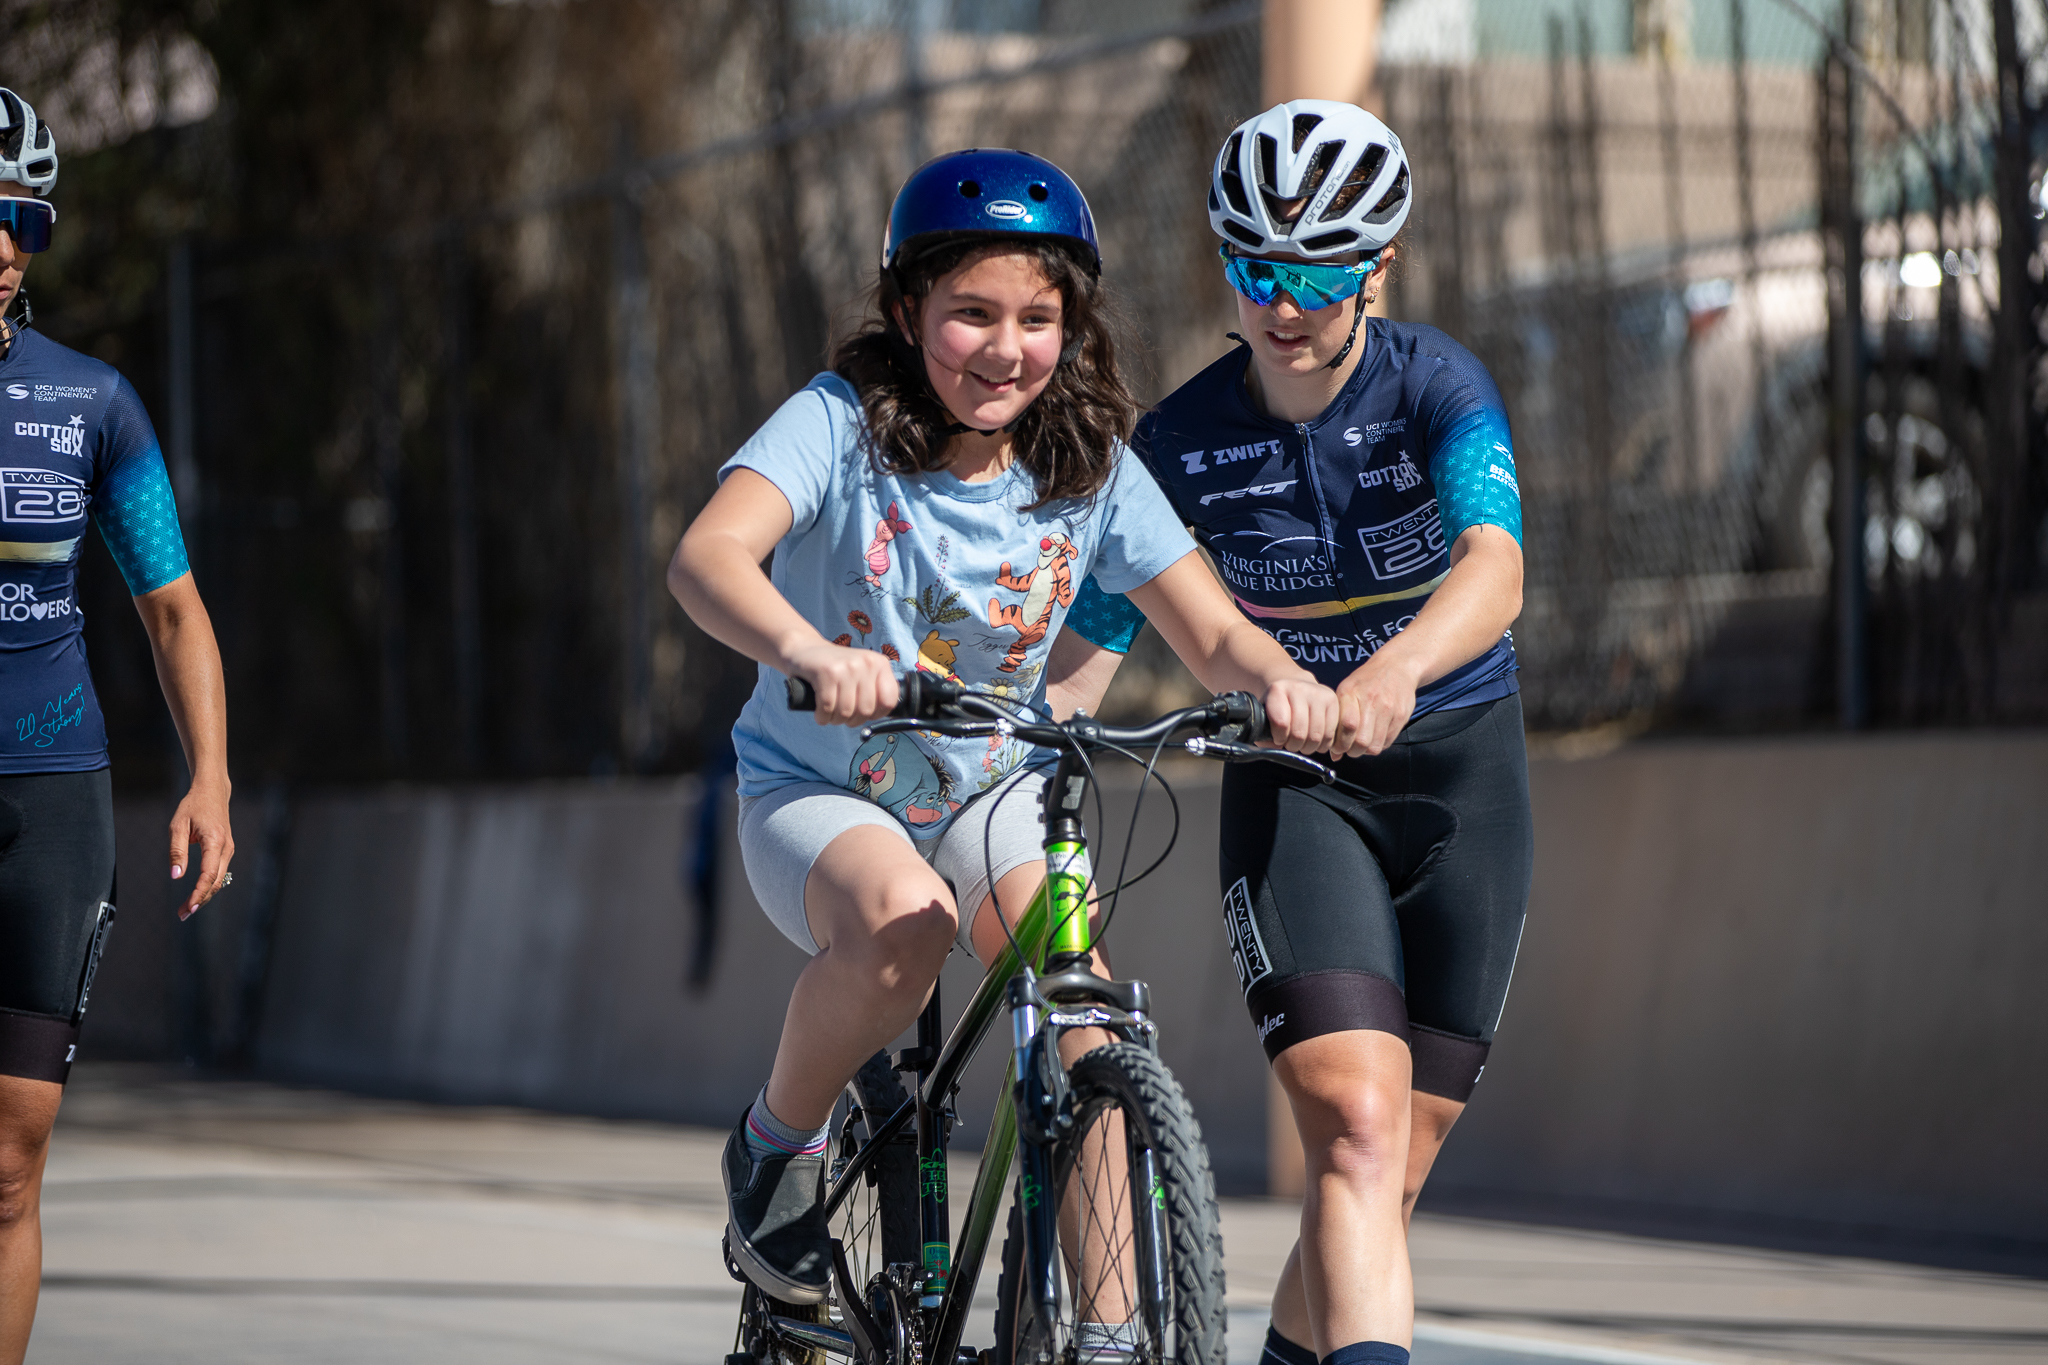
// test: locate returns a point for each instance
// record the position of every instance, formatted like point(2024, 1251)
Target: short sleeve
point(1471, 457)
point(132, 501)
point(801, 445)
point(1141, 536)
point(1109, 620)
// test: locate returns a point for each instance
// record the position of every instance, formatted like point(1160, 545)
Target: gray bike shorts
point(782, 833)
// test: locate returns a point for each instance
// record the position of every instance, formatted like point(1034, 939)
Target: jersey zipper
point(1315, 484)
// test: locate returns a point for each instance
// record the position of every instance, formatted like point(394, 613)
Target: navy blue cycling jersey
point(1331, 534)
point(74, 441)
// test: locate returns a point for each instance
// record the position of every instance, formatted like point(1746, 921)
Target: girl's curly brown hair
point(1067, 436)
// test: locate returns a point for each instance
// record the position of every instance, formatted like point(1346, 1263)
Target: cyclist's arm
point(137, 514)
point(716, 576)
point(1472, 465)
point(1478, 600)
point(1228, 653)
point(1078, 673)
point(188, 669)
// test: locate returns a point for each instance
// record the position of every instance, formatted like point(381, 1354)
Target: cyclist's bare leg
point(1102, 1278)
point(27, 1109)
point(1429, 1124)
point(1352, 1104)
point(884, 922)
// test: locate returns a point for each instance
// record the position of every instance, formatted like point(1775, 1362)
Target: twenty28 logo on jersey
point(39, 495)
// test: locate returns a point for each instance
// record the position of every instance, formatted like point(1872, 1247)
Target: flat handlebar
point(1226, 727)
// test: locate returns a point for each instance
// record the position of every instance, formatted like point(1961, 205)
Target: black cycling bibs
point(1332, 534)
point(74, 440)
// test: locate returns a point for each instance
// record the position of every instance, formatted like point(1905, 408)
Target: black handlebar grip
point(802, 696)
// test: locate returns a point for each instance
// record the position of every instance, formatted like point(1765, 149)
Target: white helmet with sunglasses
point(1308, 179)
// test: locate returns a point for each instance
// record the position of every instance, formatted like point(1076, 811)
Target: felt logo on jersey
point(1257, 490)
point(39, 495)
point(67, 438)
point(1247, 949)
point(1009, 210)
point(17, 391)
point(1398, 548)
point(66, 393)
point(1400, 476)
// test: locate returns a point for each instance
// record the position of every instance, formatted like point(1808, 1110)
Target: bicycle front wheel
point(1140, 1272)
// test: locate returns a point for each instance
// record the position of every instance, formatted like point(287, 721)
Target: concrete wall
point(1792, 980)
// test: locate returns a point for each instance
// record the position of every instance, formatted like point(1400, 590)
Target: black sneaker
point(775, 1221)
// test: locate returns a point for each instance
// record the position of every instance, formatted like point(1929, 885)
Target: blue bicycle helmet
point(993, 192)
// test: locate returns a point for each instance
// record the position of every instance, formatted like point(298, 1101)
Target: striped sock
point(769, 1136)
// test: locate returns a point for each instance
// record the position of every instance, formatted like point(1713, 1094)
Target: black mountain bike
point(1113, 1252)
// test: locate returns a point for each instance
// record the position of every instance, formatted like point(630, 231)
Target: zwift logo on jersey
point(1256, 450)
point(40, 495)
point(66, 438)
point(1398, 548)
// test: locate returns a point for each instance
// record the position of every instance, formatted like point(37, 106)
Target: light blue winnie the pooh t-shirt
point(951, 577)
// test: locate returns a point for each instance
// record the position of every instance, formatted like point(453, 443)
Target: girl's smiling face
point(992, 337)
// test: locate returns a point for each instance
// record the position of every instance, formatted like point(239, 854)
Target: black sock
point(1368, 1353)
point(1280, 1351)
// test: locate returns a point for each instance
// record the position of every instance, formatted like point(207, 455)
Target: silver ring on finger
point(227, 879)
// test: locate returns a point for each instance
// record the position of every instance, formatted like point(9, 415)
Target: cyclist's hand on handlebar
point(854, 686)
point(1378, 698)
point(1301, 716)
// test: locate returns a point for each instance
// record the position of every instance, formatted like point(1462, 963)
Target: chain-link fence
point(435, 463)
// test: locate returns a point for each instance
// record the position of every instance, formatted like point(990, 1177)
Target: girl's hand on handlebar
point(854, 686)
point(1301, 716)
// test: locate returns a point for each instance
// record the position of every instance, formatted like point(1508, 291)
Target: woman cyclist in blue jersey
point(1354, 484)
point(74, 441)
point(930, 502)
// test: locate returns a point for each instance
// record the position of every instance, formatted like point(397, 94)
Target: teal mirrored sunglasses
point(1310, 286)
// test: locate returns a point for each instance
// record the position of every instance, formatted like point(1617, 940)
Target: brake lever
point(1230, 752)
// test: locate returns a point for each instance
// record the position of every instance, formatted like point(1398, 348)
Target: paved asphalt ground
point(222, 1222)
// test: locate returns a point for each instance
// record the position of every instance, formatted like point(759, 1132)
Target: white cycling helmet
point(1314, 177)
point(28, 153)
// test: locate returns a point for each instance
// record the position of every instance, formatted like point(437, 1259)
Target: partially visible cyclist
point(930, 502)
point(1354, 483)
point(74, 440)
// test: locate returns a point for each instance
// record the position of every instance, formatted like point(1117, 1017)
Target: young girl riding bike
point(1355, 483)
point(931, 502)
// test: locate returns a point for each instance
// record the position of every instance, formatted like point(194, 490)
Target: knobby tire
point(1128, 1078)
